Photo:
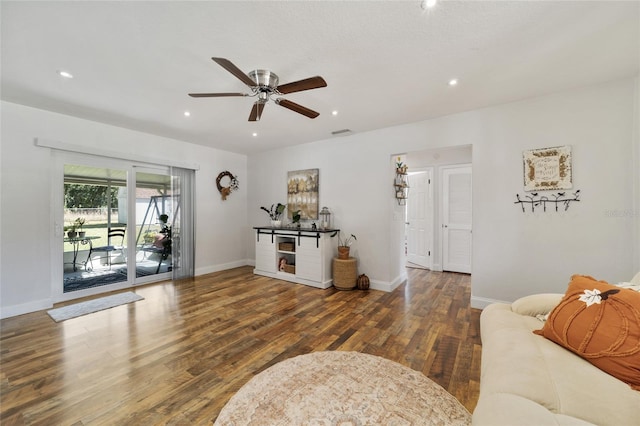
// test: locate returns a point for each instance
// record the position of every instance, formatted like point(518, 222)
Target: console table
point(306, 252)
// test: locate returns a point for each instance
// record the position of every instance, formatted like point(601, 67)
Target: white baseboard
point(386, 285)
point(25, 308)
point(223, 266)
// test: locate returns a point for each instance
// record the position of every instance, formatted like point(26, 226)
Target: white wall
point(514, 254)
point(26, 199)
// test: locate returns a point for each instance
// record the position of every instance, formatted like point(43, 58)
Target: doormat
point(95, 305)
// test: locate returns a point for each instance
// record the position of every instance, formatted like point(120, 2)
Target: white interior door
point(420, 219)
point(456, 219)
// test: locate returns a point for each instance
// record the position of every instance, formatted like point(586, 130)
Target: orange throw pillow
point(601, 323)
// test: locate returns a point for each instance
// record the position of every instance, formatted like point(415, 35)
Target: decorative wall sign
point(547, 169)
point(231, 181)
point(302, 193)
point(536, 200)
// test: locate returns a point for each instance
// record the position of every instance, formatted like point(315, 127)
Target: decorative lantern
point(325, 218)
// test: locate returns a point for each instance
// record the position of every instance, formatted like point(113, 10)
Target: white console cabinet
point(308, 255)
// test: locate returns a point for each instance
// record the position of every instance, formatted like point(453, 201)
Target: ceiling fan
point(264, 84)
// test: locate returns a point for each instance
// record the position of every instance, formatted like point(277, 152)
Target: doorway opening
point(437, 232)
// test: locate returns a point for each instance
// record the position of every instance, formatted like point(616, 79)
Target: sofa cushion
point(536, 304)
point(600, 323)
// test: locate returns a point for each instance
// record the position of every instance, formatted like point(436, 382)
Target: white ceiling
point(385, 62)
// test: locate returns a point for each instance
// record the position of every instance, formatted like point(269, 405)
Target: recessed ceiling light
point(65, 74)
point(334, 112)
point(428, 4)
point(254, 134)
point(453, 82)
point(187, 114)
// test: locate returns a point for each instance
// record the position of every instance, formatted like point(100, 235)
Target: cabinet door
point(265, 254)
point(309, 259)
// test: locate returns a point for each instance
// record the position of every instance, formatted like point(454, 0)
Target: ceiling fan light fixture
point(264, 84)
point(264, 78)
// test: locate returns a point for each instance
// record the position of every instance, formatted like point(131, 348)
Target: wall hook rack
point(537, 200)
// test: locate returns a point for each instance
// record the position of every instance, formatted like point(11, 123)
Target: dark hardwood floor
point(179, 355)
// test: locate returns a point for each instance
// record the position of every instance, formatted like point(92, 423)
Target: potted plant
point(275, 213)
point(401, 168)
point(79, 222)
point(344, 245)
point(295, 217)
point(71, 230)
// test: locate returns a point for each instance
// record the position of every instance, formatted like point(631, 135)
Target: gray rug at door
point(90, 306)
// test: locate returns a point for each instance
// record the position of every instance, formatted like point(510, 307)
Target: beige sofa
point(529, 380)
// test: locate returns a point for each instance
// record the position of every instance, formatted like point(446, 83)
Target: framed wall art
point(302, 193)
point(547, 169)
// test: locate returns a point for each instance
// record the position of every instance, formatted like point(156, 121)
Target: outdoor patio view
point(97, 216)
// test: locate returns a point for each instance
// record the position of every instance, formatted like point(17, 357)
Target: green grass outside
point(100, 230)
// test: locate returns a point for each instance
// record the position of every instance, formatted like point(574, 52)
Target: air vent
point(343, 132)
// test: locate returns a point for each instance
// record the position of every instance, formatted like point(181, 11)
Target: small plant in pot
point(79, 223)
point(344, 245)
point(275, 214)
point(71, 230)
point(295, 218)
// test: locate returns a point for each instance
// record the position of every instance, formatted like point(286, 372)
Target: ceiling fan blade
point(228, 65)
point(297, 108)
point(215, 95)
point(300, 85)
point(256, 111)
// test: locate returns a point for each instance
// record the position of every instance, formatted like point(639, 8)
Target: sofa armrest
point(536, 304)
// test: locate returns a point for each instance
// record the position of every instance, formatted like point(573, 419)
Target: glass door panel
point(95, 217)
point(154, 218)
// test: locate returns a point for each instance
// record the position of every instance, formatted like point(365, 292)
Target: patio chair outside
point(115, 242)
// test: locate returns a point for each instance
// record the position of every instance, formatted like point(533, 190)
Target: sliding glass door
point(156, 207)
point(122, 226)
point(94, 243)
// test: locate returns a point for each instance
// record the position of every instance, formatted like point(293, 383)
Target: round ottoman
point(345, 273)
point(342, 388)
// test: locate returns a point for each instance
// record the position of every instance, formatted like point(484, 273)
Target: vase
point(362, 282)
point(343, 252)
point(276, 223)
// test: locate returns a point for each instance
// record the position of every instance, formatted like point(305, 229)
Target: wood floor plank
point(177, 356)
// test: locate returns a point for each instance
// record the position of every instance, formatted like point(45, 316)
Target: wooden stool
point(345, 273)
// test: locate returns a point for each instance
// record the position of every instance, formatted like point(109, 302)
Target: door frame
point(60, 158)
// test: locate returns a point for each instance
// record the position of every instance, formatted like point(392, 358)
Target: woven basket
point(290, 269)
point(345, 273)
point(286, 247)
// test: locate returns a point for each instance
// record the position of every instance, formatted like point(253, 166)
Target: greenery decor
point(346, 242)
point(275, 212)
point(79, 223)
point(296, 216)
